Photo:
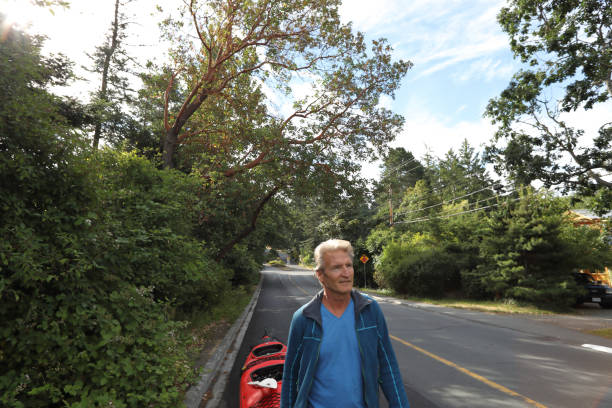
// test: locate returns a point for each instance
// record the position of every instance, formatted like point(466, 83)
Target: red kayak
point(262, 374)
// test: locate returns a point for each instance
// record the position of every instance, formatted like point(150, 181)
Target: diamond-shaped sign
point(364, 258)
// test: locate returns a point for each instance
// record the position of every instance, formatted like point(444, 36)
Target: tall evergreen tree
point(112, 62)
point(400, 170)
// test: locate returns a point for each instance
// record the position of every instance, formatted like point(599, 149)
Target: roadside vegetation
point(135, 221)
point(459, 234)
point(444, 227)
point(206, 325)
point(510, 307)
point(607, 333)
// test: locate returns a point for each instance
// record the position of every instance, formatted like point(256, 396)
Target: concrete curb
point(216, 371)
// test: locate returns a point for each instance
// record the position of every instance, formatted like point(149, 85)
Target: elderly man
point(339, 349)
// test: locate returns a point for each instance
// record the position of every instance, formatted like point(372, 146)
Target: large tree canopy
point(230, 58)
point(566, 43)
point(274, 41)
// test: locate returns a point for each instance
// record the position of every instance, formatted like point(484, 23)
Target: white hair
point(328, 246)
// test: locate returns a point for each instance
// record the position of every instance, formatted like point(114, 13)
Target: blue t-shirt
point(337, 381)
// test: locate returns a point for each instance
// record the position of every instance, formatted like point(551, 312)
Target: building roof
point(583, 213)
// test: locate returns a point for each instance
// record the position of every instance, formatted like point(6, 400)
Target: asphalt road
point(457, 358)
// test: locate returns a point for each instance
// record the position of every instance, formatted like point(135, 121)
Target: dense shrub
point(416, 268)
point(528, 252)
point(244, 265)
point(148, 216)
point(89, 270)
point(92, 250)
point(83, 316)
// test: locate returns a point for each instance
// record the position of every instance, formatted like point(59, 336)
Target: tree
point(399, 171)
point(111, 62)
point(223, 128)
point(565, 43)
point(278, 39)
point(529, 248)
point(76, 329)
point(445, 184)
point(462, 173)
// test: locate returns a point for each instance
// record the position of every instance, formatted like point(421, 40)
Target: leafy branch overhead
point(243, 46)
point(565, 44)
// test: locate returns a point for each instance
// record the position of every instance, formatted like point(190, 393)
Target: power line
point(462, 185)
point(414, 168)
point(447, 201)
point(455, 214)
point(485, 199)
point(401, 165)
point(453, 199)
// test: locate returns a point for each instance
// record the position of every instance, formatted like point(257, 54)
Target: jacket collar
point(312, 309)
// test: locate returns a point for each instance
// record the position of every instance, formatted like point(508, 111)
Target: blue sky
point(461, 59)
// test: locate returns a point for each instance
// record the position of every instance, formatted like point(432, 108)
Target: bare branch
point(330, 122)
point(197, 27)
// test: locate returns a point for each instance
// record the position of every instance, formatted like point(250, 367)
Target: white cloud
point(77, 31)
point(434, 34)
point(382, 16)
point(367, 14)
point(486, 69)
point(460, 53)
point(587, 120)
point(425, 131)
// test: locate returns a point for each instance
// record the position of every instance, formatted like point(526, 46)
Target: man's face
point(337, 276)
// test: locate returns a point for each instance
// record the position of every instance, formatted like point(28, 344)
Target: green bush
point(271, 255)
point(529, 251)
point(89, 347)
point(416, 269)
point(83, 316)
point(307, 258)
point(97, 253)
point(147, 217)
point(244, 265)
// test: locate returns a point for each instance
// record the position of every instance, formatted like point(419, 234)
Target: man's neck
point(336, 303)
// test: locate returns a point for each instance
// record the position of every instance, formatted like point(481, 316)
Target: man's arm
point(292, 363)
point(390, 377)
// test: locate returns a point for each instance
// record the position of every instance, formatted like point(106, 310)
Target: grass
point(607, 333)
point(508, 306)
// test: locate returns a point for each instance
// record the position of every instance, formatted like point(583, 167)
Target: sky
point(461, 59)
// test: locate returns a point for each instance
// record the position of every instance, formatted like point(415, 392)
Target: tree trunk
point(106, 66)
point(170, 142)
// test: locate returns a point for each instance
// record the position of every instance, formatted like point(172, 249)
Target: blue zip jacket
point(378, 362)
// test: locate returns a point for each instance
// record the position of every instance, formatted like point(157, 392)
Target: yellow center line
point(471, 374)
point(298, 286)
